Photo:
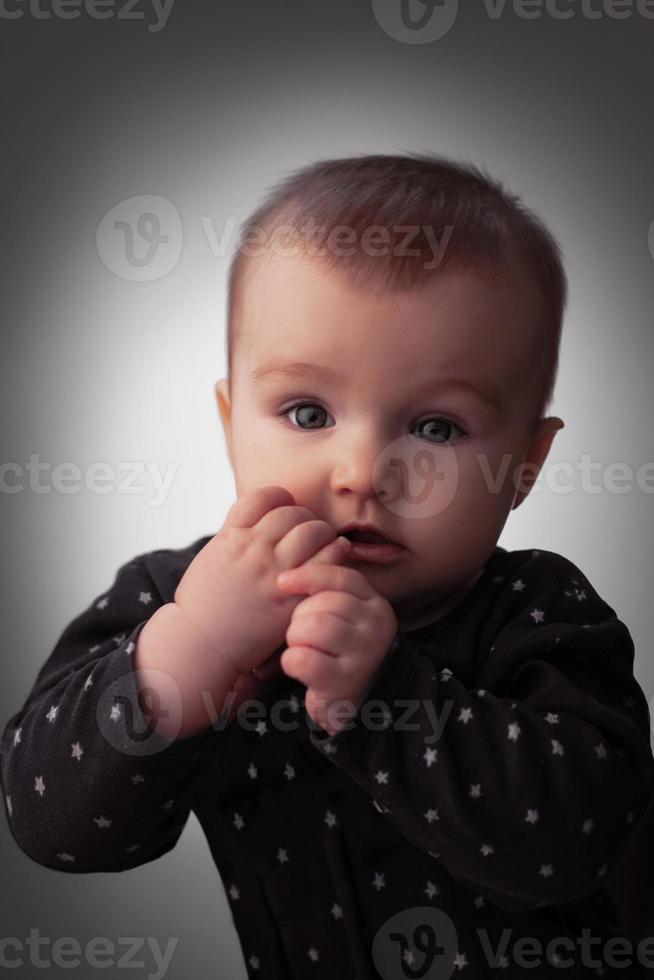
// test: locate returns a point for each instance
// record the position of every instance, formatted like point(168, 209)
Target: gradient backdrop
point(100, 363)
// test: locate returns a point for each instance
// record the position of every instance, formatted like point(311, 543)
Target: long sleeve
point(528, 782)
point(88, 785)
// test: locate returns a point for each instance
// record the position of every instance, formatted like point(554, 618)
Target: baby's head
point(365, 287)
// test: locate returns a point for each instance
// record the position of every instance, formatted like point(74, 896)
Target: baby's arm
point(87, 787)
point(541, 770)
point(98, 766)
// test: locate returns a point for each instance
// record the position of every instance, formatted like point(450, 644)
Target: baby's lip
point(367, 529)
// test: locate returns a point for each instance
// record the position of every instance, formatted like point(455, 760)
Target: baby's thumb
point(333, 553)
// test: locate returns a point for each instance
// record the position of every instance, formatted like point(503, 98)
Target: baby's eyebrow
point(277, 369)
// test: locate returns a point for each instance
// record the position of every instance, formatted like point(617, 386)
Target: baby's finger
point(333, 553)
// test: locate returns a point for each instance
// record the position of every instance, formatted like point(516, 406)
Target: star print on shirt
point(493, 664)
point(514, 731)
point(294, 704)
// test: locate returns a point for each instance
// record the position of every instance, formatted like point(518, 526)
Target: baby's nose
point(362, 467)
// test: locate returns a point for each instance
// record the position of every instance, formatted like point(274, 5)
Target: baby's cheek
point(485, 478)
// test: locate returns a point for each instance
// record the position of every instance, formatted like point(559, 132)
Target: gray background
point(208, 112)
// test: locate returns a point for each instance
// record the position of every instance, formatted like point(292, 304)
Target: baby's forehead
point(483, 315)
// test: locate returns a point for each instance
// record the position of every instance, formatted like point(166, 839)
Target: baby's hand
point(229, 591)
point(337, 638)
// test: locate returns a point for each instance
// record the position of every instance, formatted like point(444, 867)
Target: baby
point(473, 755)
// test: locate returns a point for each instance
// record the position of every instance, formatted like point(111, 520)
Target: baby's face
point(384, 439)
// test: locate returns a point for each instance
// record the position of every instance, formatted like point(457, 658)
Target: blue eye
point(310, 415)
point(440, 423)
point(314, 411)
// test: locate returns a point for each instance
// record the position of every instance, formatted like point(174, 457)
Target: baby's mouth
point(369, 537)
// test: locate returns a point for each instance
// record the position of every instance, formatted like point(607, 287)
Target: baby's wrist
point(205, 645)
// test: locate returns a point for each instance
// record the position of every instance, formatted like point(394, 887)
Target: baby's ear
point(223, 400)
point(535, 456)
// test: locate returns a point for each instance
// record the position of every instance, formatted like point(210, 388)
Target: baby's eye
point(438, 430)
point(310, 412)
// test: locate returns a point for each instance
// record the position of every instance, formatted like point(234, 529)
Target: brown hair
point(479, 220)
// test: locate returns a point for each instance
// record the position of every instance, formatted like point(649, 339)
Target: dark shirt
point(474, 807)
